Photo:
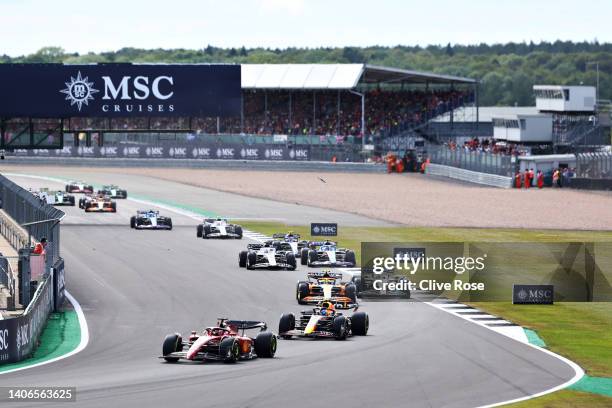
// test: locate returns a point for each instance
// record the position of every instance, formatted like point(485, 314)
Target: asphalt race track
point(137, 286)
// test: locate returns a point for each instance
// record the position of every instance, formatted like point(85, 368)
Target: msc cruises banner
point(177, 150)
point(119, 90)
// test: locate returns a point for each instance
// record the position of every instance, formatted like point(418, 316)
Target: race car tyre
point(238, 231)
point(67, 189)
point(133, 222)
point(350, 257)
point(80, 203)
point(206, 231)
point(251, 260)
point(286, 323)
point(350, 291)
point(172, 343)
point(301, 292)
point(265, 344)
point(340, 327)
point(71, 201)
point(88, 189)
point(242, 259)
point(113, 207)
point(124, 195)
point(199, 231)
point(229, 350)
point(360, 323)
point(170, 224)
point(312, 257)
point(304, 256)
point(291, 261)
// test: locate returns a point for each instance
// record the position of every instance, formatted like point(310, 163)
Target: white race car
point(218, 228)
point(270, 255)
point(327, 253)
point(79, 187)
point(55, 197)
point(150, 219)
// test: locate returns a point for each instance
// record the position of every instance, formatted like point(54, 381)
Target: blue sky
point(103, 25)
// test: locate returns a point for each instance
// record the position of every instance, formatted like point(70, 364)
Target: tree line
point(507, 71)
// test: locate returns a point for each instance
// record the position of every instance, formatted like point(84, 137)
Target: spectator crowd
point(303, 113)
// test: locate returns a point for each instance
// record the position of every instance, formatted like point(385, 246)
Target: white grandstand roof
point(332, 76)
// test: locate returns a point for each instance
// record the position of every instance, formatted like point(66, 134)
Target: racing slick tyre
point(80, 203)
point(206, 231)
point(229, 350)
point(238, 231)
point(350, 258)
point(242, 259)
point(170, 224)
point(286, 323)
point(114, 207)
point(133, 222)
point(304, 256)
point(199, 231)
point(71, 201)
point(265, 344)
point(360, 323)
point(251, 260)
point(291, 261)
point(301, 292)
point(312, 257)
point(172, 343)
point(67, 189)
point(350, 290)
point(124, 195)
point(340, 327)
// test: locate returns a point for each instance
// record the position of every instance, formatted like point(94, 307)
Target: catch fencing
point(481, 162)
point(40, 220)
point(594, 165)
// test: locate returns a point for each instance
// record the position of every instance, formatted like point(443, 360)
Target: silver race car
point(218, 228)
point(150, 219)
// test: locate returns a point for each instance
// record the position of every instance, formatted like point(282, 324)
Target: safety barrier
point(469, 176)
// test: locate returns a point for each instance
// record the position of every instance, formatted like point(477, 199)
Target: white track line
point(578, 371)
point(83, 343)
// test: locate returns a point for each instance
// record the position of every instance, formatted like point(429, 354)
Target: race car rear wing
point(325, 274)
point(281, 235)
point(245, 325)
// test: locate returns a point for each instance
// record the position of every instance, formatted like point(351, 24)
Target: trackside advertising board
point(119, 90)
point(323, 229)
point(199, 150)
point(18, 336)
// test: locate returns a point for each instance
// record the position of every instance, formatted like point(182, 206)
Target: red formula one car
point(224, 342)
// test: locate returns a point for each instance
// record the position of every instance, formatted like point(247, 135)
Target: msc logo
point(249, 153)
point(108, 151)
point(154, 151)
point(4, 340)
point(324, 229)
point(201, 152)
point(225, 152)
point(79, 91)
point(274, 153)
point(298, 154)
point(522, 294)
point(131, 151)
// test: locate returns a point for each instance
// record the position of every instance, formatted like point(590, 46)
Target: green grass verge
point(566, 399)
point(61, 335)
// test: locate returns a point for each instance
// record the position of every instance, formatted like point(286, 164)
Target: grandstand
point(345, 101)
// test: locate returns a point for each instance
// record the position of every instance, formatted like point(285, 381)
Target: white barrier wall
point(469, 176)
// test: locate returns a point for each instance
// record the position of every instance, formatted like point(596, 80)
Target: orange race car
point(99, 203)
point(326, 285)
